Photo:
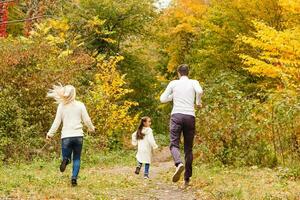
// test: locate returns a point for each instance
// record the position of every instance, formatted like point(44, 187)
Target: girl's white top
point(71, 115)
point(145, 145)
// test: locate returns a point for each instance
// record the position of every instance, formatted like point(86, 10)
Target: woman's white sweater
point(71, 115)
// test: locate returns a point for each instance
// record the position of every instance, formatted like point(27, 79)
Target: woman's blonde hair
point(62, 94)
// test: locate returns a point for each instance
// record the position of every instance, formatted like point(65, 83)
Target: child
point(143, 138)
point(70, 112)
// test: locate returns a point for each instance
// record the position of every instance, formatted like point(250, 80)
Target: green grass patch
point(99, 179)
point(109, 175)
point(253, 183)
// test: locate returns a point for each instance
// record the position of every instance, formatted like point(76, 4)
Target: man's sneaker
point(186, 183)
point(74, 182)
point(137, 170)
point(177, 174)
point(63, 165)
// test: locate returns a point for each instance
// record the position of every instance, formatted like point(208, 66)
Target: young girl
point(143, 138)
point(70, 112)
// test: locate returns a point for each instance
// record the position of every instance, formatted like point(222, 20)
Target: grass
point(42, 179)
point(110, 176)
point(245, 183)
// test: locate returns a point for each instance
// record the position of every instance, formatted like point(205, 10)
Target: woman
point(71, 113)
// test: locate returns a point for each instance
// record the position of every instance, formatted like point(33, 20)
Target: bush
point(239, 129)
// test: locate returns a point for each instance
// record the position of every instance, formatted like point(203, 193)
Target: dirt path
point(160, 185)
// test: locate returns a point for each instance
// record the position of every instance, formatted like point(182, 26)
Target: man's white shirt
point(183, 92)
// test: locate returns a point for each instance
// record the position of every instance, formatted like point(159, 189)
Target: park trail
point(159, 186)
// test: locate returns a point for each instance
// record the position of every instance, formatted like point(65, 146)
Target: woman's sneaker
point(63, 165)
point(177, 174)
point(74, 182)
point(137, 170)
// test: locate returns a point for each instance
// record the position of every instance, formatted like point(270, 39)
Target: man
point(183, 93)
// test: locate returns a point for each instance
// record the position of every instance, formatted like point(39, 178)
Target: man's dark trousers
point(181, 123)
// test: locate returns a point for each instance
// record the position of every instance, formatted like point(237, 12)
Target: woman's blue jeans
point(69, 146)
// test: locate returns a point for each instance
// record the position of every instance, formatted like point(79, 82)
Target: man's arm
point(199, 91)
point(167, 94)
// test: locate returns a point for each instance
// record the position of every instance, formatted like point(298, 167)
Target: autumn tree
point(278, 54)
point(29, 67)
point(109, 108)
point(179, 27)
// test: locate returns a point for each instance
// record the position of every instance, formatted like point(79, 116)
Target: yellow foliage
point(291, 5)
point(95, 21)
point(290, 10)
point(65, 53)
point(279, 53)
point(181, 26)
point(57, 33)
point(110, 111)
point(109, 40)
point(61, 25)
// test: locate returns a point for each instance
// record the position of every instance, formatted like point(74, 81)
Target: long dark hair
point(139, 134)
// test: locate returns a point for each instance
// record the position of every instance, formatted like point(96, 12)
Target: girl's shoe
point(74, 182)
point(63, 165)
point(137, 170)
point(146, 177)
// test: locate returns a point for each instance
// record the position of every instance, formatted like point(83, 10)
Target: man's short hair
point(183, 70)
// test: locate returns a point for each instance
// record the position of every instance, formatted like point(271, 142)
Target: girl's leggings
point(147, 166)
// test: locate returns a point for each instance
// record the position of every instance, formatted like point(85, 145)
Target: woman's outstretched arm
point(86, 119)
point(57, 121)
